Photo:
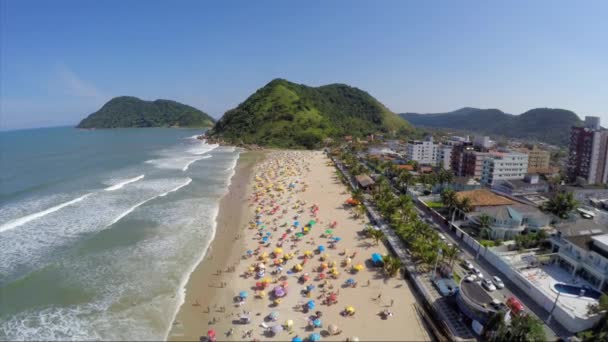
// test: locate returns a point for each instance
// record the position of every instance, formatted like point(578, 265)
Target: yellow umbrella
point(297, 268)
point(278, 250)
point(308, 253)
point(266, 280)
point(289, 323)
point(350, 309)
point(358, 267)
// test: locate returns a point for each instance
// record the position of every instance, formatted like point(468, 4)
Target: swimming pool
point(577, 290)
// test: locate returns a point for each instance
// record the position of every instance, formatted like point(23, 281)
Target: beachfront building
point(444, 157)
point(508, 217)
point(588, 153)
point(582, 250)
point(423, 151)
point(503, 166)
point(530, 185)
point(538, 160)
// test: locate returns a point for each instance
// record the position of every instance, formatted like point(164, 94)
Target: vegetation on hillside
point(285, 114)
point(128, 111)
point(542, 124)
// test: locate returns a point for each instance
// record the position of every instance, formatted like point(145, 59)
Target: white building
point(423, 152)
point(498, 166)
point(444, 157)
point(483, 142)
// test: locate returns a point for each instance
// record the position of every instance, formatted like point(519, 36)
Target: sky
point(62, 60)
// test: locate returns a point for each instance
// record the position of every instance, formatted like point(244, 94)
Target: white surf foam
point(205, 148)
point(123, 183)
point(185, 168)
point(25, 219)
point(130, 210)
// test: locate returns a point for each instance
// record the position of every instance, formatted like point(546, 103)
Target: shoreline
point(201, 286)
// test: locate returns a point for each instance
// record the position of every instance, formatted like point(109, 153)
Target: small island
point(129, 112)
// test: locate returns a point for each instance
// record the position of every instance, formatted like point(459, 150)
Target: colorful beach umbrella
point(274, 315)
point(296, 339)
point(315, 337)
point(317, 323)
point(296, 224)
point(337, 239)
point(276, 329)
point(211, 333)
point(311, 304)
point(243, 294)
point(289, 323)
point(329, 231)
point(321, 248)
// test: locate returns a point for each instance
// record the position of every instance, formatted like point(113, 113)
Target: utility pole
point(552, 309)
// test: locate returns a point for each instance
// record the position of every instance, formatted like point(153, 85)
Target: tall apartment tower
point(588, 154)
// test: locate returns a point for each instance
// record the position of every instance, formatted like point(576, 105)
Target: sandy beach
point(284, 239)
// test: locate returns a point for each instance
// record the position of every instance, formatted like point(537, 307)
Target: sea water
point(100, 229)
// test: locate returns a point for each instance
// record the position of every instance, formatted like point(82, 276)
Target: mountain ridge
point(550, 125)
point(289, 115)
point(130, 111)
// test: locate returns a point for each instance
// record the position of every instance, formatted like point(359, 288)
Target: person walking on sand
point(392, 302)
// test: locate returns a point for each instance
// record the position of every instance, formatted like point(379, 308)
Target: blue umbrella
point(268, 234)
point(243, 294)
point(249, 251)
point(258, 222)
point(336, 239)
point(296, 223)
point(310, 288)
point(321, 248)
point(265, 239)
point(315, 337)
point(350, 281)
point(296, 339)
point(311, 304)
point(316, 322)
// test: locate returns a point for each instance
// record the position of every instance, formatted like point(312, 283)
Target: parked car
point(477, 273)
point(515, 305)
point(468, 265)
point(470, 278)
point(488, 285)
point(442, 237)
point(498, 305)
point(498, 282)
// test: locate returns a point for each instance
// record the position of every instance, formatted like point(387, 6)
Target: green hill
point(543, 124)
point(128, 111)
point(289, 115)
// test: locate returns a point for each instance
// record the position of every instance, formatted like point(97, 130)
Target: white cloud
point(74, 85)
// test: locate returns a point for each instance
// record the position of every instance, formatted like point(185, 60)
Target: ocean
point(100, 229)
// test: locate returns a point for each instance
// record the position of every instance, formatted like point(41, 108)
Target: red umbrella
point(211, 333)
point(333, 297)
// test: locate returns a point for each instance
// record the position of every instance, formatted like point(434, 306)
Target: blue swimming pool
point(578, 290)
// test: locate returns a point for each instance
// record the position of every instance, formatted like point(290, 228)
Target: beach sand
point(314, 182)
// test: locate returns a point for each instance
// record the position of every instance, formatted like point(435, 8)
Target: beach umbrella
point(278, 250)
point(350, 309)
point(296, 339)
point(296, 224)
point(276, 329)
point(266, 280)
point(274, 315)
point(249, 252)
point(350, 281)
point(358, 267)
point(337, 239)
point(310, 288)
point(268, 234)
point(308, 253)
point(317, 323)
point(299, 235)
point(329, 231)
point(332, 328)
point(312, 223)
point(279, 291)
point(333, 296)
point(265, 239)
point(315, 337)
point(257, 223)
point(289, 323)
point(211, 333)
point(243, 294)
point(311, 304)
point(321, 248)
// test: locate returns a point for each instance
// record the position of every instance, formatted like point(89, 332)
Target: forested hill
point(543, 124)
point(128, 111)
point(290, 115)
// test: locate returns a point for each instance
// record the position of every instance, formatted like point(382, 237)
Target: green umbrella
point(299, 234)
point(329, 231)
point(311, 222)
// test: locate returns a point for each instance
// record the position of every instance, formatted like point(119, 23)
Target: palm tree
point(451, 254)
point(377, 235)
point(495, 325)
point(484, 221)
point(392, 265)
point(449, 199)
point(464, 205)
point(405, 180)
point(358, 194)
point(561, 204)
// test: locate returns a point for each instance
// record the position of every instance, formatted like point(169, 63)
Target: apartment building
point(502, 166)
point(422, 151)
point(588, 153)
point(538, 160)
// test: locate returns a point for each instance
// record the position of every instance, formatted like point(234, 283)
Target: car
point(498, 282)
point(477, 273)
point(488, 285)
point(442, 237)
point(470, 278)
point(468, 265)
point(498, 305)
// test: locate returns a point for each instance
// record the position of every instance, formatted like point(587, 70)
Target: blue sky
point(61, 60)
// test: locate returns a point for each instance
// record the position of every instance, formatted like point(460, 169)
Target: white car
point(442, 237)
point(470, 278)
point(498, 282)
point(488, 285)
point(468, 265)
point(477, 273)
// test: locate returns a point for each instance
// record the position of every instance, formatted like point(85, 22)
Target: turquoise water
point(99, 230)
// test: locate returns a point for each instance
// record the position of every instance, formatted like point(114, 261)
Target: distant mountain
point(543, 124)
point(290, 115)
point(128, 111)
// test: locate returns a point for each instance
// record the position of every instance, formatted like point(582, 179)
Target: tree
point(359, 211)
point(451, 254)
point(561, 204)
point(484, 222)
point(495, 326)
point(392, 265)
point(449, 199)
point(357, 194)
point(405, 180)
point(377, 235)
point(525, 328)
point(464, 205)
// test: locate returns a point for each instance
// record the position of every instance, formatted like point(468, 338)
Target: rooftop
point(580, 227)
point(364, 180)
point(483, 197)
